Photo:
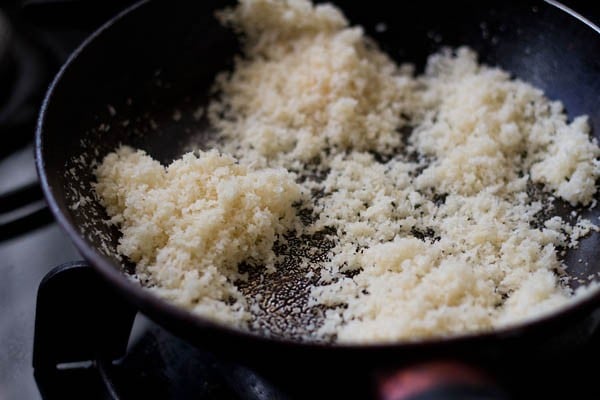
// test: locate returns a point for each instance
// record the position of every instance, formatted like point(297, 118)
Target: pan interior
point(150, 93)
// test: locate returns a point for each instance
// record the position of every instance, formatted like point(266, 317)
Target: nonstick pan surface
point(125, 84)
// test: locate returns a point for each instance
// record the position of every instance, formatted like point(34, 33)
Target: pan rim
point(168, 314)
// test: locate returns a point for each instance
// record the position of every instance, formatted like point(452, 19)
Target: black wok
point(126, 81)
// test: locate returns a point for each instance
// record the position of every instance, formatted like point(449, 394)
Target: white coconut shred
point(426, 182)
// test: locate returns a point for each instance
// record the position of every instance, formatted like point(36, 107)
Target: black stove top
point(36, 36)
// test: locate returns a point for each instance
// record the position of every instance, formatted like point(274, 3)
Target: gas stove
point(36, 36)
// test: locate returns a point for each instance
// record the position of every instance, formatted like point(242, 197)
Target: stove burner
point(85, 347)
point(88, 339)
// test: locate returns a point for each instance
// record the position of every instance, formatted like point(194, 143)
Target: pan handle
point(435, 380)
